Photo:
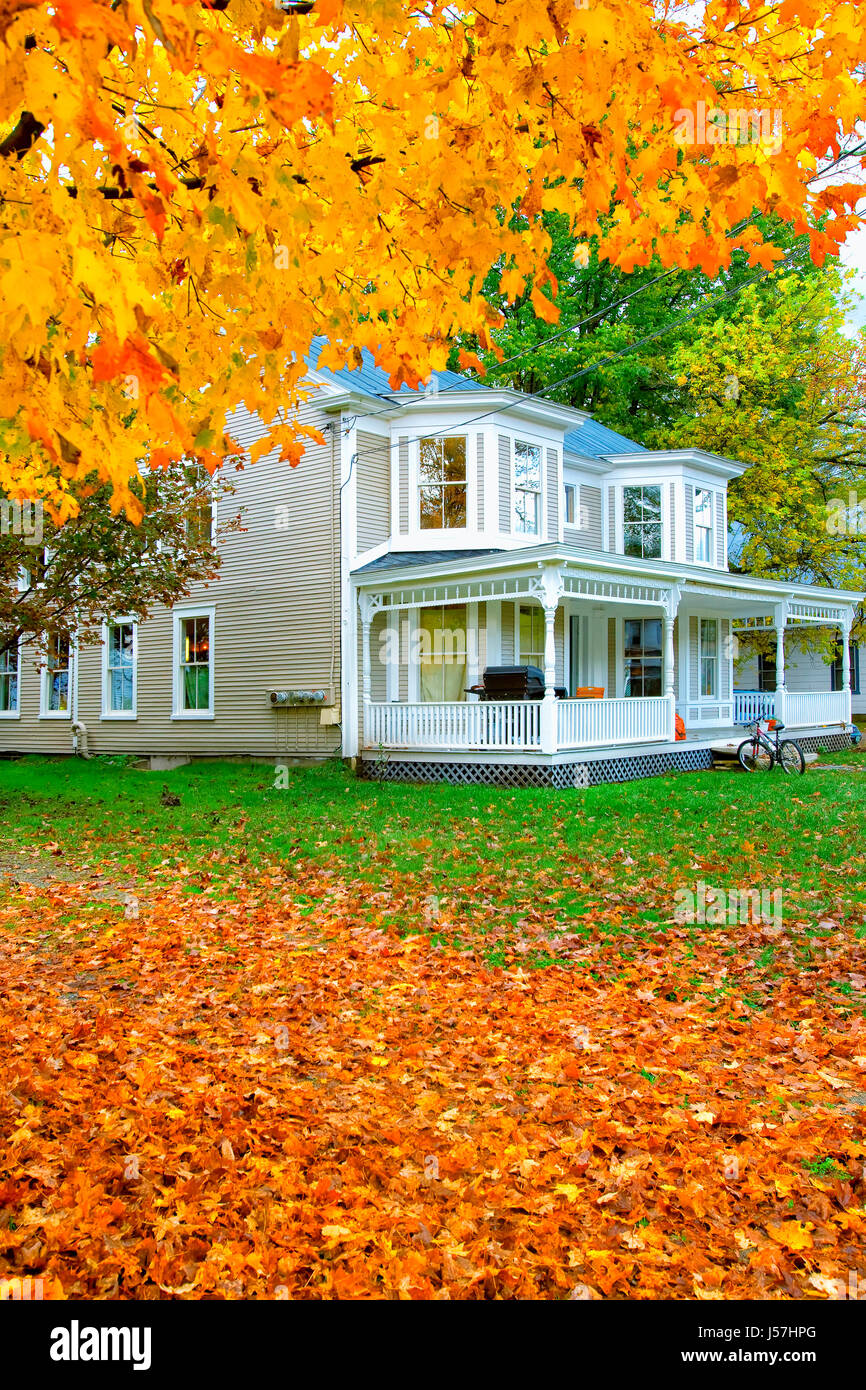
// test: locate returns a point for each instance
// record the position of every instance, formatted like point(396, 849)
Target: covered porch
point(653, 644)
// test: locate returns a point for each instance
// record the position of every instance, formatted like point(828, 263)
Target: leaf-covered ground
point(405, 1042)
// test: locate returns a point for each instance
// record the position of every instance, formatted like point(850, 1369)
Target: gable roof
point(590, 438)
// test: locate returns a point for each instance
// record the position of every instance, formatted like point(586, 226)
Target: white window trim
point(619, 502)
point(44, 711)
point(16, 712)
point(538, 444)
point(711, 563)
point(107, 711)
point(178, 615)
point(575, 522)
point(717, 659)
point(415, 484)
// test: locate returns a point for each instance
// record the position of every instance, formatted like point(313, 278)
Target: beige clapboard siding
point(507, 635)
point(725, 664)
point(693, 658)
point(374, 490)
point(721, 538)
point(504, 483)
point(611, 658)
point(611, 519)
point(479, 485)
point(403, 483)
point(276, 625)
point(672, 521)
point(553, 499)
point(587, 533)
point(690, 523)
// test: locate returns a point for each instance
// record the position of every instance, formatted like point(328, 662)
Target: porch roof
point(419, 578)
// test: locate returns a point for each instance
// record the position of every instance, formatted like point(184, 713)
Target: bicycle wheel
point(754, 756)
point(791, 758)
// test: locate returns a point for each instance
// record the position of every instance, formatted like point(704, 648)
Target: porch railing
point(816, 707)
point(798, 710)
point(503, 724)
point(753, 704)
point(596, 723)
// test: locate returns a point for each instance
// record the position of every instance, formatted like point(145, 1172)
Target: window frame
point(45, 712)
point(4, 673)
point(571, 494)
point(645, 654)
point(836, 667)
point(179, 616)
point(714, 658)
point(443, 483)
point(107, 711)
point(523, 492)
point(658, 521)
point(708, 531)
point(536, 615)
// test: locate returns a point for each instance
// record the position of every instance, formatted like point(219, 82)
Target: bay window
point(642, 522)
point(703, 526)
point(527, 488)
point(442, 484)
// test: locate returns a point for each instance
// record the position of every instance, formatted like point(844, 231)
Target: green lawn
point(457, 860)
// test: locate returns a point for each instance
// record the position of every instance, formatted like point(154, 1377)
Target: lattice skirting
point(588, 774)
point(832, 742)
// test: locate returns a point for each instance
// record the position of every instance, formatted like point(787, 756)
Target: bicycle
point(757, 753)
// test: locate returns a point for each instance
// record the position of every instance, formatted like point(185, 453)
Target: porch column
point(671, 606)
point(367, 608)
point(550, 590)
point(781, 619)
point(845, 633)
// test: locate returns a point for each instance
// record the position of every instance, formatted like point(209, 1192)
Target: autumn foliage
point(192, 192)
point(229, 1099)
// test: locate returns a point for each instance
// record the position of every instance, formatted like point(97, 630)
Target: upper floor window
point(442, 477)
point(527, 488)
point(201, 513)
point(570, 504)
point(642, 522)
point(703, 525)
point(9, 668)
point(57, 674)
point(119, 671)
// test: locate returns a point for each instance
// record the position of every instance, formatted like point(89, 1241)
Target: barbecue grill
point(514, 683)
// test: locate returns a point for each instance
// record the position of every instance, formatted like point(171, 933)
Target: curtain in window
point(442, 651)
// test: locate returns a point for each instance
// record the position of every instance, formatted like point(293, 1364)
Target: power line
point(787, 263)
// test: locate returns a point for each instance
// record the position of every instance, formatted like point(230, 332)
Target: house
point(434, 534)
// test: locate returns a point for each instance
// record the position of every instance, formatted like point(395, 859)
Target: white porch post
point(845, 631)
point(550, 590)
point(367, 607)
point(781, 619)
point(671, 607)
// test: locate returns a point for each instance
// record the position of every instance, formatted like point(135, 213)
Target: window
point(442, 476)
point(766, 671)
point(9, 670)
point(527, 488)
point(531, 636)
point(442, 655)
point(57, 675)
point(119, 643)
point(642, 522)
point(703, 526)
point(836, 669)
point(570, 503)
point(708, 657)
point(642, 649)
point(193, 665)
point(199, 523)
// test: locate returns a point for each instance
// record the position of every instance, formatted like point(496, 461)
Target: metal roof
point(590, 438)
